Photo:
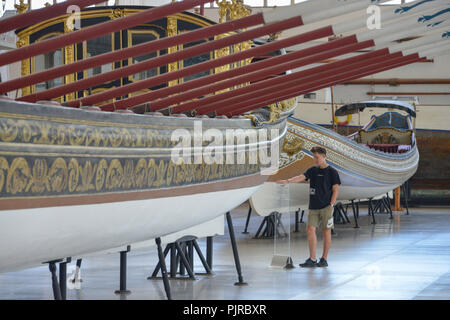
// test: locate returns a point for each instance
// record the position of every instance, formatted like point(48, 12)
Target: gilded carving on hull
point(49, 176)
point(51, 133)
point(42, 157)
point(292, 145)
point(365, 163)
point(291, 151)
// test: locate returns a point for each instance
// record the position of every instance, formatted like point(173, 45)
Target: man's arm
point(295, 179)
point(334, 196)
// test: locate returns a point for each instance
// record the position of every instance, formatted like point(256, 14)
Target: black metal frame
point(123, 272)
point(248, 219)
point(271, 226)
point(355, 209)
point(340, 214)
point(182, 258)
point(297, 220)
point(237, 261)
point(59, 286)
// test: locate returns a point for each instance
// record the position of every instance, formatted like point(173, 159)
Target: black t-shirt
point(321, 182)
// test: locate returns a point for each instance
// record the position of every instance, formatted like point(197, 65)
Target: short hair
point(319, 150)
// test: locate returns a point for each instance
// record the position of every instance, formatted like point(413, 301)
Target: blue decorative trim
point(406, 8)
point(400, 156)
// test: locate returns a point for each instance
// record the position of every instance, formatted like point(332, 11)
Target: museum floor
point(404, 258)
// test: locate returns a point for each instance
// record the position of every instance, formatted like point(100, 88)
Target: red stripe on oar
point(150, 96)
point(295, 94)
point(133, 51)
point(96, 31)
point(325, 78)
point(332, 80)
point(294, 79)
point(161, 60)
point(256, 71)
point(262, 75)
point(194, 69)
point(34, 16)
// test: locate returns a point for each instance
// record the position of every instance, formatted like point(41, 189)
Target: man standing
point(323, 191)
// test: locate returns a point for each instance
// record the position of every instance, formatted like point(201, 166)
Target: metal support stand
point(387, 201)
point(289, 264)
point(162, 263)
point(405, 196)
point(182, 257)
point(184, 261)
point(55, 284)
point(340, 214)
point(123, 272)
point(355, 213)
point(235, 251)
point(63, 278)
point(270, 226)
point(371, 211)
point(209, 252)
point(382, 205)
point(301, 218)
point(76, 277)
point(248, 219)
point(202, 258)
point(297, 221)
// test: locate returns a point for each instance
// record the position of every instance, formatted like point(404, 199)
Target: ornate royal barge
point(85, 132)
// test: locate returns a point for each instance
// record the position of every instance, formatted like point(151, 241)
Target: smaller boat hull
point(364, 173)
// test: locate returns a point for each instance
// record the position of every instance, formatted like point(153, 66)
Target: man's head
point(320, 155)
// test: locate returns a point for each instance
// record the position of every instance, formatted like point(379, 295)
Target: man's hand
point(296, 179)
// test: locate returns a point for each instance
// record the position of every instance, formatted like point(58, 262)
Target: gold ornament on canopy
point(22, 7)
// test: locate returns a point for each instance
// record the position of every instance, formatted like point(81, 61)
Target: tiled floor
point(404, 258)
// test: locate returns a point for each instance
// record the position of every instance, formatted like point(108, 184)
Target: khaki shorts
point(323, 216)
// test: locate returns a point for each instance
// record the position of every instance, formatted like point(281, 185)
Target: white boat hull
point(47, 234)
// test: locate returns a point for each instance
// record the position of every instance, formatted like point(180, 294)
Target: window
point(94, 47)
point(47, 61)
point(138, 37)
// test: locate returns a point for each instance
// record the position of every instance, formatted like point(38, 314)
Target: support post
point(184, 261)
point(63, 278)
point(388, 206)
point(77, 271)
point(123, 272)
point(190, 250)
point(371, 211)
point(162, 263)
point(235, 251)
point(55, 284)
point(202, 258)
point(248, 219)
point(173, 260)
point(158, 266)
point(209, 252)
point(355, 215)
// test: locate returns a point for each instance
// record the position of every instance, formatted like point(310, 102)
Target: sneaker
point(309, 263)
point(322, 263)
